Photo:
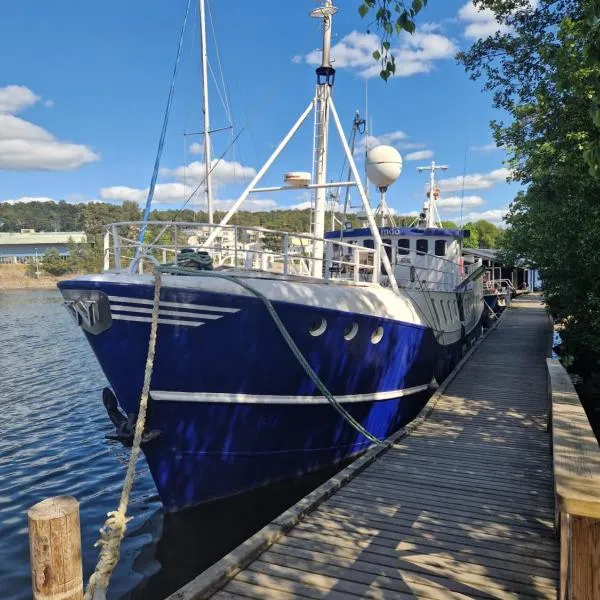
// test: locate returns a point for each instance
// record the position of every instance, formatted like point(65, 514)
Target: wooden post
point(580, 558)
point(55, 549)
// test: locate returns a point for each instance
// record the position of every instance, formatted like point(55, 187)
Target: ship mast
point(205, 111)
point(432, 219)
point(325, 78)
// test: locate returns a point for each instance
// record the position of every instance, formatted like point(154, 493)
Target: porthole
point(377, 335)
point(350, 331)
point(318, 327)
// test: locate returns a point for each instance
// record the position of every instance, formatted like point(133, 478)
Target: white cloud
point(301, 205)
point(420, 155)
point(224, 172)
point(14, 98)
point(164, 193)
point(485, 148)
point(494, 215)
point(392, 138)
point(483, 23)
point(27, 200)
point(476, 181)
point(48, 103)
point(196, 148)
point(25, 146)
point(415, 54)
point(453, 203)
point(178, 193)
point(479, 23)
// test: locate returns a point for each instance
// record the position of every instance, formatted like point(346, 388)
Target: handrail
point(576, 461)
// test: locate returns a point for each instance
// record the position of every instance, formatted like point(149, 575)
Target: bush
point(54, 264)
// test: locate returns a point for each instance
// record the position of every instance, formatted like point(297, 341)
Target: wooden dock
point(461, 507)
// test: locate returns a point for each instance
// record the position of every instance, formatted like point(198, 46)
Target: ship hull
point(234, 407)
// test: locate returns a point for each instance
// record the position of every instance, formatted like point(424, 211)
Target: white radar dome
point(384, 165)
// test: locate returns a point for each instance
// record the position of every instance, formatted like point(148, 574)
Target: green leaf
point(376, 55)
point(417, 5)
point(363, 9)
point(386, 45)
point(409, 26)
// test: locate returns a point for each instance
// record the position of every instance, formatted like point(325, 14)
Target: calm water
point(52, 429)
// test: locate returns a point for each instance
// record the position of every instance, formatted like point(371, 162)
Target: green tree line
point(543, 70)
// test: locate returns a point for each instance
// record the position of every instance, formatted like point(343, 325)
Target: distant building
point(23, 247)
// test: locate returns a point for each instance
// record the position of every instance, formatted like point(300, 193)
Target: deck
point(462, 507)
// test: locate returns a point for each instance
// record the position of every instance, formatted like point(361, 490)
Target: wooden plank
point(576, 450)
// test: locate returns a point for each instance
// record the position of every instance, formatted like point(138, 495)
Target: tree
point(541, 71)
point(473, 240)
point(391, 17)
point(54, 264)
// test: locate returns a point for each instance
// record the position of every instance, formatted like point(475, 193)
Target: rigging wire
point(462, 197)
point(163, 132)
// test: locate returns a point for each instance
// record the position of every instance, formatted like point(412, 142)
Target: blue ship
point(380, 313)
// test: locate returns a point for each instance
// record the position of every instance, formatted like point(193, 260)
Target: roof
point(50, 237)
point(487, 253)
point(408, 231)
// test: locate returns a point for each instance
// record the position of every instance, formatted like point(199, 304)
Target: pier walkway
point(462, 507)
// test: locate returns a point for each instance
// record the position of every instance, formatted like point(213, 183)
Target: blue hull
point(211, 449)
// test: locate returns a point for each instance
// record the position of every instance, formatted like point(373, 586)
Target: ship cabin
point(421, 258)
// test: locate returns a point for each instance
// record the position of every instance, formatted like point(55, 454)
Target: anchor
point(124, 425)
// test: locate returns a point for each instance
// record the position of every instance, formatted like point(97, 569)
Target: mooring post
point(55, 549)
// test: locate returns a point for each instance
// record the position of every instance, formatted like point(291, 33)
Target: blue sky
point(84, 86)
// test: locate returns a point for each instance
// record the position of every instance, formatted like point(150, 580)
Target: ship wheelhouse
point(428, 258)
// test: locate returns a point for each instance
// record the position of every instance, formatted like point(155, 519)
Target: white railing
point(236, 247)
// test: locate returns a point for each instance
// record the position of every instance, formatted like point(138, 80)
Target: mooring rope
point(113, 530)
point(176, 270)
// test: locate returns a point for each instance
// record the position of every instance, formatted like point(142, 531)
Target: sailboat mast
point(205, 110)
point(325, 77)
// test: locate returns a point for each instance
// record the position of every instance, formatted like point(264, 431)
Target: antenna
point(429, 214)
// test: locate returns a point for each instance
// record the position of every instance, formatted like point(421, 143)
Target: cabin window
point(444, 311)
point(440, 247)
point(403, 247)
point(387, 244)
point(369, 244)
point(422, 246)
point(449, 309)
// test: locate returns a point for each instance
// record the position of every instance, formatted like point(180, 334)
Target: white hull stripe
point(160, 321)
point(176, 313)
point(252, 399)
point(222, 309)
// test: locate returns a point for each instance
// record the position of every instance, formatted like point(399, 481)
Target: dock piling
point(55, 549)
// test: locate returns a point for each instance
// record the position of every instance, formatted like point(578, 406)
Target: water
point(52, 442)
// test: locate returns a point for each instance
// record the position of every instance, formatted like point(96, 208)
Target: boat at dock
point(278, 353)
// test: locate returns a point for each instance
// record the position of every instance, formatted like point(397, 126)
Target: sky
point(84, 85)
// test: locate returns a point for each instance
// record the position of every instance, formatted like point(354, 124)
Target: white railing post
point(356, 257)
point(377, 263)
point(328, 251)
point(117, 247)
point(235, 250)
point(106, 250)
point(286, 253)
point(175, 242)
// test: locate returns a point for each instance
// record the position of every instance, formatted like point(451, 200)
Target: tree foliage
point(541, 71)
point(390, 17)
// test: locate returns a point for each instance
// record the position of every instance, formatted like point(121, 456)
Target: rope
point(175, 270)
point(113, 530)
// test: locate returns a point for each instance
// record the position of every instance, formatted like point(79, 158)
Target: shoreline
point(14, 278)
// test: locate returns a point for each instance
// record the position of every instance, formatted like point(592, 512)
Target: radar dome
point(384, 165)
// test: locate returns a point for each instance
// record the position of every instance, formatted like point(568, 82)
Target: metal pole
point(259, 175)
point(207, 152)
point(361, 190)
